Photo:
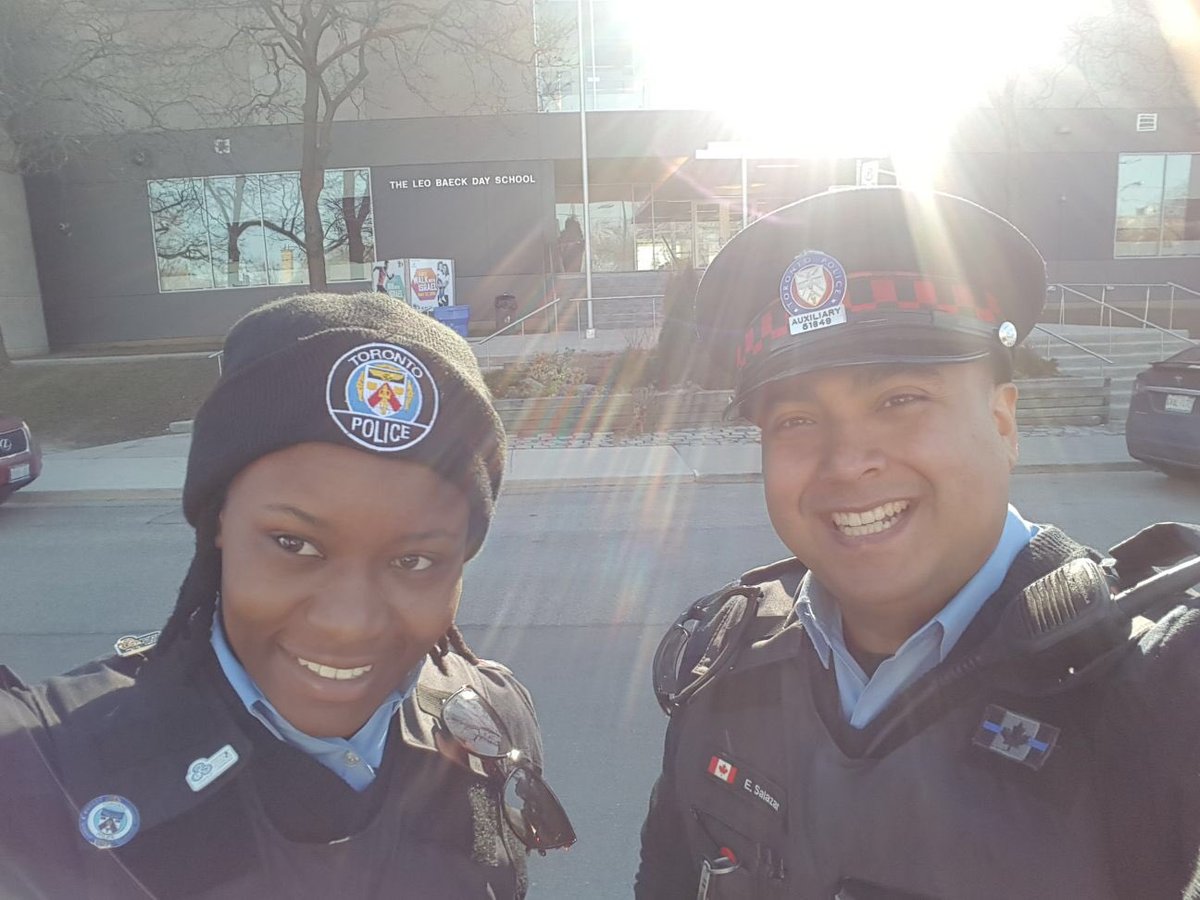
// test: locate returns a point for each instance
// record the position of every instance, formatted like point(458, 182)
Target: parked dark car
point(1163, 427)
point(20, 456)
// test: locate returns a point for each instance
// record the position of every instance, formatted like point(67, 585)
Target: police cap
point(869, 275)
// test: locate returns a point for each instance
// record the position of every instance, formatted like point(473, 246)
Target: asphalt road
point(573, 589)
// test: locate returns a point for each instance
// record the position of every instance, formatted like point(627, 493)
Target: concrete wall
point(21, 321)
point(1058, 184)
point(95, 249)
point(495, 219)
point(92, 226)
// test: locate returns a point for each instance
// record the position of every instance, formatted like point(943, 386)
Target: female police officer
point(310, 721)
point(936, 698)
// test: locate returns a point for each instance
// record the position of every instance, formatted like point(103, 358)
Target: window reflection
point(633, 231)
point(716, 223)
point(1158, 205)
point(1181, 205)
point(234, 216)
point(180, 234)
point(667, 242)
point(346, 213)
point(283, 229)
point(244, 230)
point(613, 67)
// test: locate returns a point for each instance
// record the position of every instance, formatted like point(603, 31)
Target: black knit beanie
point(358, 370)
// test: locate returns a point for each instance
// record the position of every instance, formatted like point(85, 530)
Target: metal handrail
point(1181, 287)
point(1145, 322)
point(481, 341)
point(1059, 337)
point(478, 342)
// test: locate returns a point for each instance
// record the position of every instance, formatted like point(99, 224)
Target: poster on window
point(390, 276)
point(431, 283)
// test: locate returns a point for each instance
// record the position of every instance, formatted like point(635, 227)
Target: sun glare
point(845, 77)
point(1180, 21)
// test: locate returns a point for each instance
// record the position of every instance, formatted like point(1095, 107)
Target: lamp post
point(583, 154)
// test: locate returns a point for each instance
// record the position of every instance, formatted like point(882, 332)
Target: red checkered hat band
point(872, 297)
point(870, 291)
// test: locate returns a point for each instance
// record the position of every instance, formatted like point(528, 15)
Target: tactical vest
point(983, 786)
point(256, 831)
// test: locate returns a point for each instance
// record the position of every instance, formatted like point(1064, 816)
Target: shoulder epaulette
point(1072, 620)
point(777, 571)
point(708, 637)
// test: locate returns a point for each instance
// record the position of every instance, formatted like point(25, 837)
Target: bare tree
point(69, 70)
point(1123, 59)
point(318, 58)
point(1120, 59)
point(75, 70)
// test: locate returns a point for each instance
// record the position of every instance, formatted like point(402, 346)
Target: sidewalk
point(153, 468)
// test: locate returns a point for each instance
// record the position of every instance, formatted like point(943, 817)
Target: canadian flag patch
point(722, 769)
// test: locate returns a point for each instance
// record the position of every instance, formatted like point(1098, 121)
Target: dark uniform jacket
point(275, 824)
point(999, 774)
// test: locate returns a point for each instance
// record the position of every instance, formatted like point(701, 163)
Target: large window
point(613, 71)
point(635, 231)
point(243, 230)
point(1158, 204)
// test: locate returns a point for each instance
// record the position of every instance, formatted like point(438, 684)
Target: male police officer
point(935, 698)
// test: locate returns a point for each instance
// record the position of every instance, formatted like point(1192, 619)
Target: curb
point(90, 497)
point(536, 485)
point(1069, 467)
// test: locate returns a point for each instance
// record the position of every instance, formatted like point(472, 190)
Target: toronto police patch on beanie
point(360, 370)
point(382, 396)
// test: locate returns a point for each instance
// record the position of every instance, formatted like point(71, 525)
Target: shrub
point(677, 360)
point(542, 375)
point(1027, 364)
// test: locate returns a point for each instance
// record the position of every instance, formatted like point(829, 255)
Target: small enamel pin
point(108, 821)
point(206, 770)
point(132, 644)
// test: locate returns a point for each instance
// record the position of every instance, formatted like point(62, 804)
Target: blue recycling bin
point(455, 317)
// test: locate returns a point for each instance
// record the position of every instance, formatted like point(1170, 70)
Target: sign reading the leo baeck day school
point(461, 181)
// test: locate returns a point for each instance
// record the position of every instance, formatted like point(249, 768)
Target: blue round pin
point(109, 821)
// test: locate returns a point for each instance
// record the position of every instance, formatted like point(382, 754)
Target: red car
point(20, 457)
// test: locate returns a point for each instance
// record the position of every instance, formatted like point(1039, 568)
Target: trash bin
point(456, 317)
point(506, 309)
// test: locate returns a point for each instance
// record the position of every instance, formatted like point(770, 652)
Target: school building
point(158, 237)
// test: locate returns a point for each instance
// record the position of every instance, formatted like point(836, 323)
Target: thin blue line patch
point(1015, 737)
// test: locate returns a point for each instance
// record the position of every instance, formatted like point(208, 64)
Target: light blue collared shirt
point(353, 759)
point(864, 697)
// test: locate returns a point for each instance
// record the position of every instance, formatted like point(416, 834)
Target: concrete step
point(1120, 357)
point(1072, 330)
point(1082, 368)
point(1097, 337)
point(1130, 351)
point(1102, 344)
point(1116, 353)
